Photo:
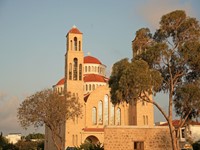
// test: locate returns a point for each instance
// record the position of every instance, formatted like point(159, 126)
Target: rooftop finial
point(74, 26)
point(89, 53)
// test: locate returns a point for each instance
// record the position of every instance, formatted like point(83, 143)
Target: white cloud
point(8, 112)
point(8, 116)
point(152, 10)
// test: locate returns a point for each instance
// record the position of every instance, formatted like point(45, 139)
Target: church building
point(85, 77)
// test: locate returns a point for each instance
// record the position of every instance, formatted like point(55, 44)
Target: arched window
point(98, 70)
point(103, 70)
point(94, 116)
point(70, 71)
point(92, 68)
point(86, 87)
point(100, 112)
point(118, 118)
point(71, 45)
point(79, 44)
point(75, 43)
point(75, 68)
point(95, 69)
point(112, 114)
point(61, 90)
point(144, 120)
point(85, 68)
point(80, 71)
point(106, 110)
point(76, 139)
point(147, 121)
point(90, 87)
point(89, 69)
point(93, 87)
point(73, 139)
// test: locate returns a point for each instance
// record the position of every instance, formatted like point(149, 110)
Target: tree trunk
point(58, 147)
point(174, 139)
point(170, 111)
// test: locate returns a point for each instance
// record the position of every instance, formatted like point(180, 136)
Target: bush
point(30, 145)
point(90, 146)
point(196, 145)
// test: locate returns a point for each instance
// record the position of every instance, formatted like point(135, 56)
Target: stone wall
point(124, 137)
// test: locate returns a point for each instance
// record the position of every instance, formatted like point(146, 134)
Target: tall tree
point(3, 141)
point(169, 61)
point(49, 108)
point(187, 100)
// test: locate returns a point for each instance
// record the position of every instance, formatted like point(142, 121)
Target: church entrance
point(92, 139)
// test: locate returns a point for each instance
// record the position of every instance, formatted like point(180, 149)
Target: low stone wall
point(128, 138)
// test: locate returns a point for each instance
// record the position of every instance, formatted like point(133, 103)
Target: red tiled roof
point(93, 129)
point(90, 59)
point(94, 78)
point(87, 78)
point(176, 123)
point(74, 30)
point(61, 82)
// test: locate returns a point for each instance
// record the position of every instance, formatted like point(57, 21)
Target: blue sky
point(32, 41)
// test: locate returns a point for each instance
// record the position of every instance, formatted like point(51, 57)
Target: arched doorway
point(92, 139)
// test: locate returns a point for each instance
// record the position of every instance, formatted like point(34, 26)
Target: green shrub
point(196, 145)
point(90, 146)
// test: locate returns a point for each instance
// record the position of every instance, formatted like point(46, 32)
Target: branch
point(176, 77)
point(155, 104)
point(181, 123)
point(173, 50)
point(164, 62)
point(169, 42)
point(160, 109)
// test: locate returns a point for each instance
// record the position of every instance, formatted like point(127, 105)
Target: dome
point(61, 82)
point(94, 78)
point(91, 60)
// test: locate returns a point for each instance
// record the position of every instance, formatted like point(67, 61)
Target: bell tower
point(74, 59)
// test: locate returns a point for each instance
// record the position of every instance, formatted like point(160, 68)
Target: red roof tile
point(61, 82)
point(93, 129)
point(74, 30)
point(176, 123)
point(87, 78)
point(94, 78)
point(92, 60)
